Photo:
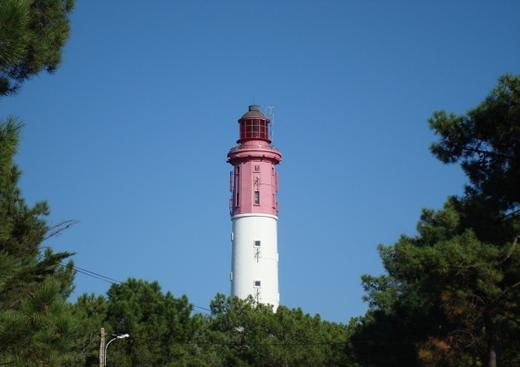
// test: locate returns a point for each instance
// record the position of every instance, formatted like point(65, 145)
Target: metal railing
point(256, 146)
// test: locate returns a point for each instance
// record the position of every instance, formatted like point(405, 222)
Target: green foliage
point(160, 325)
point(486, 142)
point(36, 323)
point(243, 333)
point(89, 313)
point(35, 319)
point(452, 293)
point(444, 298)
point(165, 332)
point(32, 36)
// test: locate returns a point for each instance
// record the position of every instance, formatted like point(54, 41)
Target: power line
point(202, 308)
point(111, 280)
point(96, 275)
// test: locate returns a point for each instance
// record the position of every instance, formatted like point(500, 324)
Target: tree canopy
point(32, 36)
point(486, 143)
point(35, 318)
point(164, 331)
point(451, 295)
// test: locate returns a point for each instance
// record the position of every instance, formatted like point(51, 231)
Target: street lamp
point(122, 336)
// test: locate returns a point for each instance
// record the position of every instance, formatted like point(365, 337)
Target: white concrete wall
point(252, 263)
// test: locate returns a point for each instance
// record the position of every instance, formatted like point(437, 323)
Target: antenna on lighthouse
point(270, 114)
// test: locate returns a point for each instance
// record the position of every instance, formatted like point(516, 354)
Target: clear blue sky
point(130, 135)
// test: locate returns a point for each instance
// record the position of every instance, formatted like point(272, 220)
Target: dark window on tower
point(258, 243)
point(257, 197)
point(237, 186)
point(258, 283)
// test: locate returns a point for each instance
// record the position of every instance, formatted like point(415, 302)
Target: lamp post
point(122, 336)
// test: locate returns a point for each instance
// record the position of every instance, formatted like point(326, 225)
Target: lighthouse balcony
point(249, 145)
point(247, 151)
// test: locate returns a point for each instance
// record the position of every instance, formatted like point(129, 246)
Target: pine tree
point(32, 35)
point(244, 333)
point(452, 293)
point(35, 320)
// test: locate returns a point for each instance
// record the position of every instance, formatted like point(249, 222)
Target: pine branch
point(487, 153)
point(511, 250)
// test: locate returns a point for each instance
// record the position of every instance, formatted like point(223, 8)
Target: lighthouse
point(254, 211)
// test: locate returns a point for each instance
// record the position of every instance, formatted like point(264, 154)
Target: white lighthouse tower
point(254, 211)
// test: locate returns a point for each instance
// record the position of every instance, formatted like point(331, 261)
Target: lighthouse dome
point(253, 112)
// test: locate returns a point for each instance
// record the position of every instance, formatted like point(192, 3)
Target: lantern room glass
point(254, 129)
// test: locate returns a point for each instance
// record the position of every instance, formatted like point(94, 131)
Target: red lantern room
point(254, 125)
